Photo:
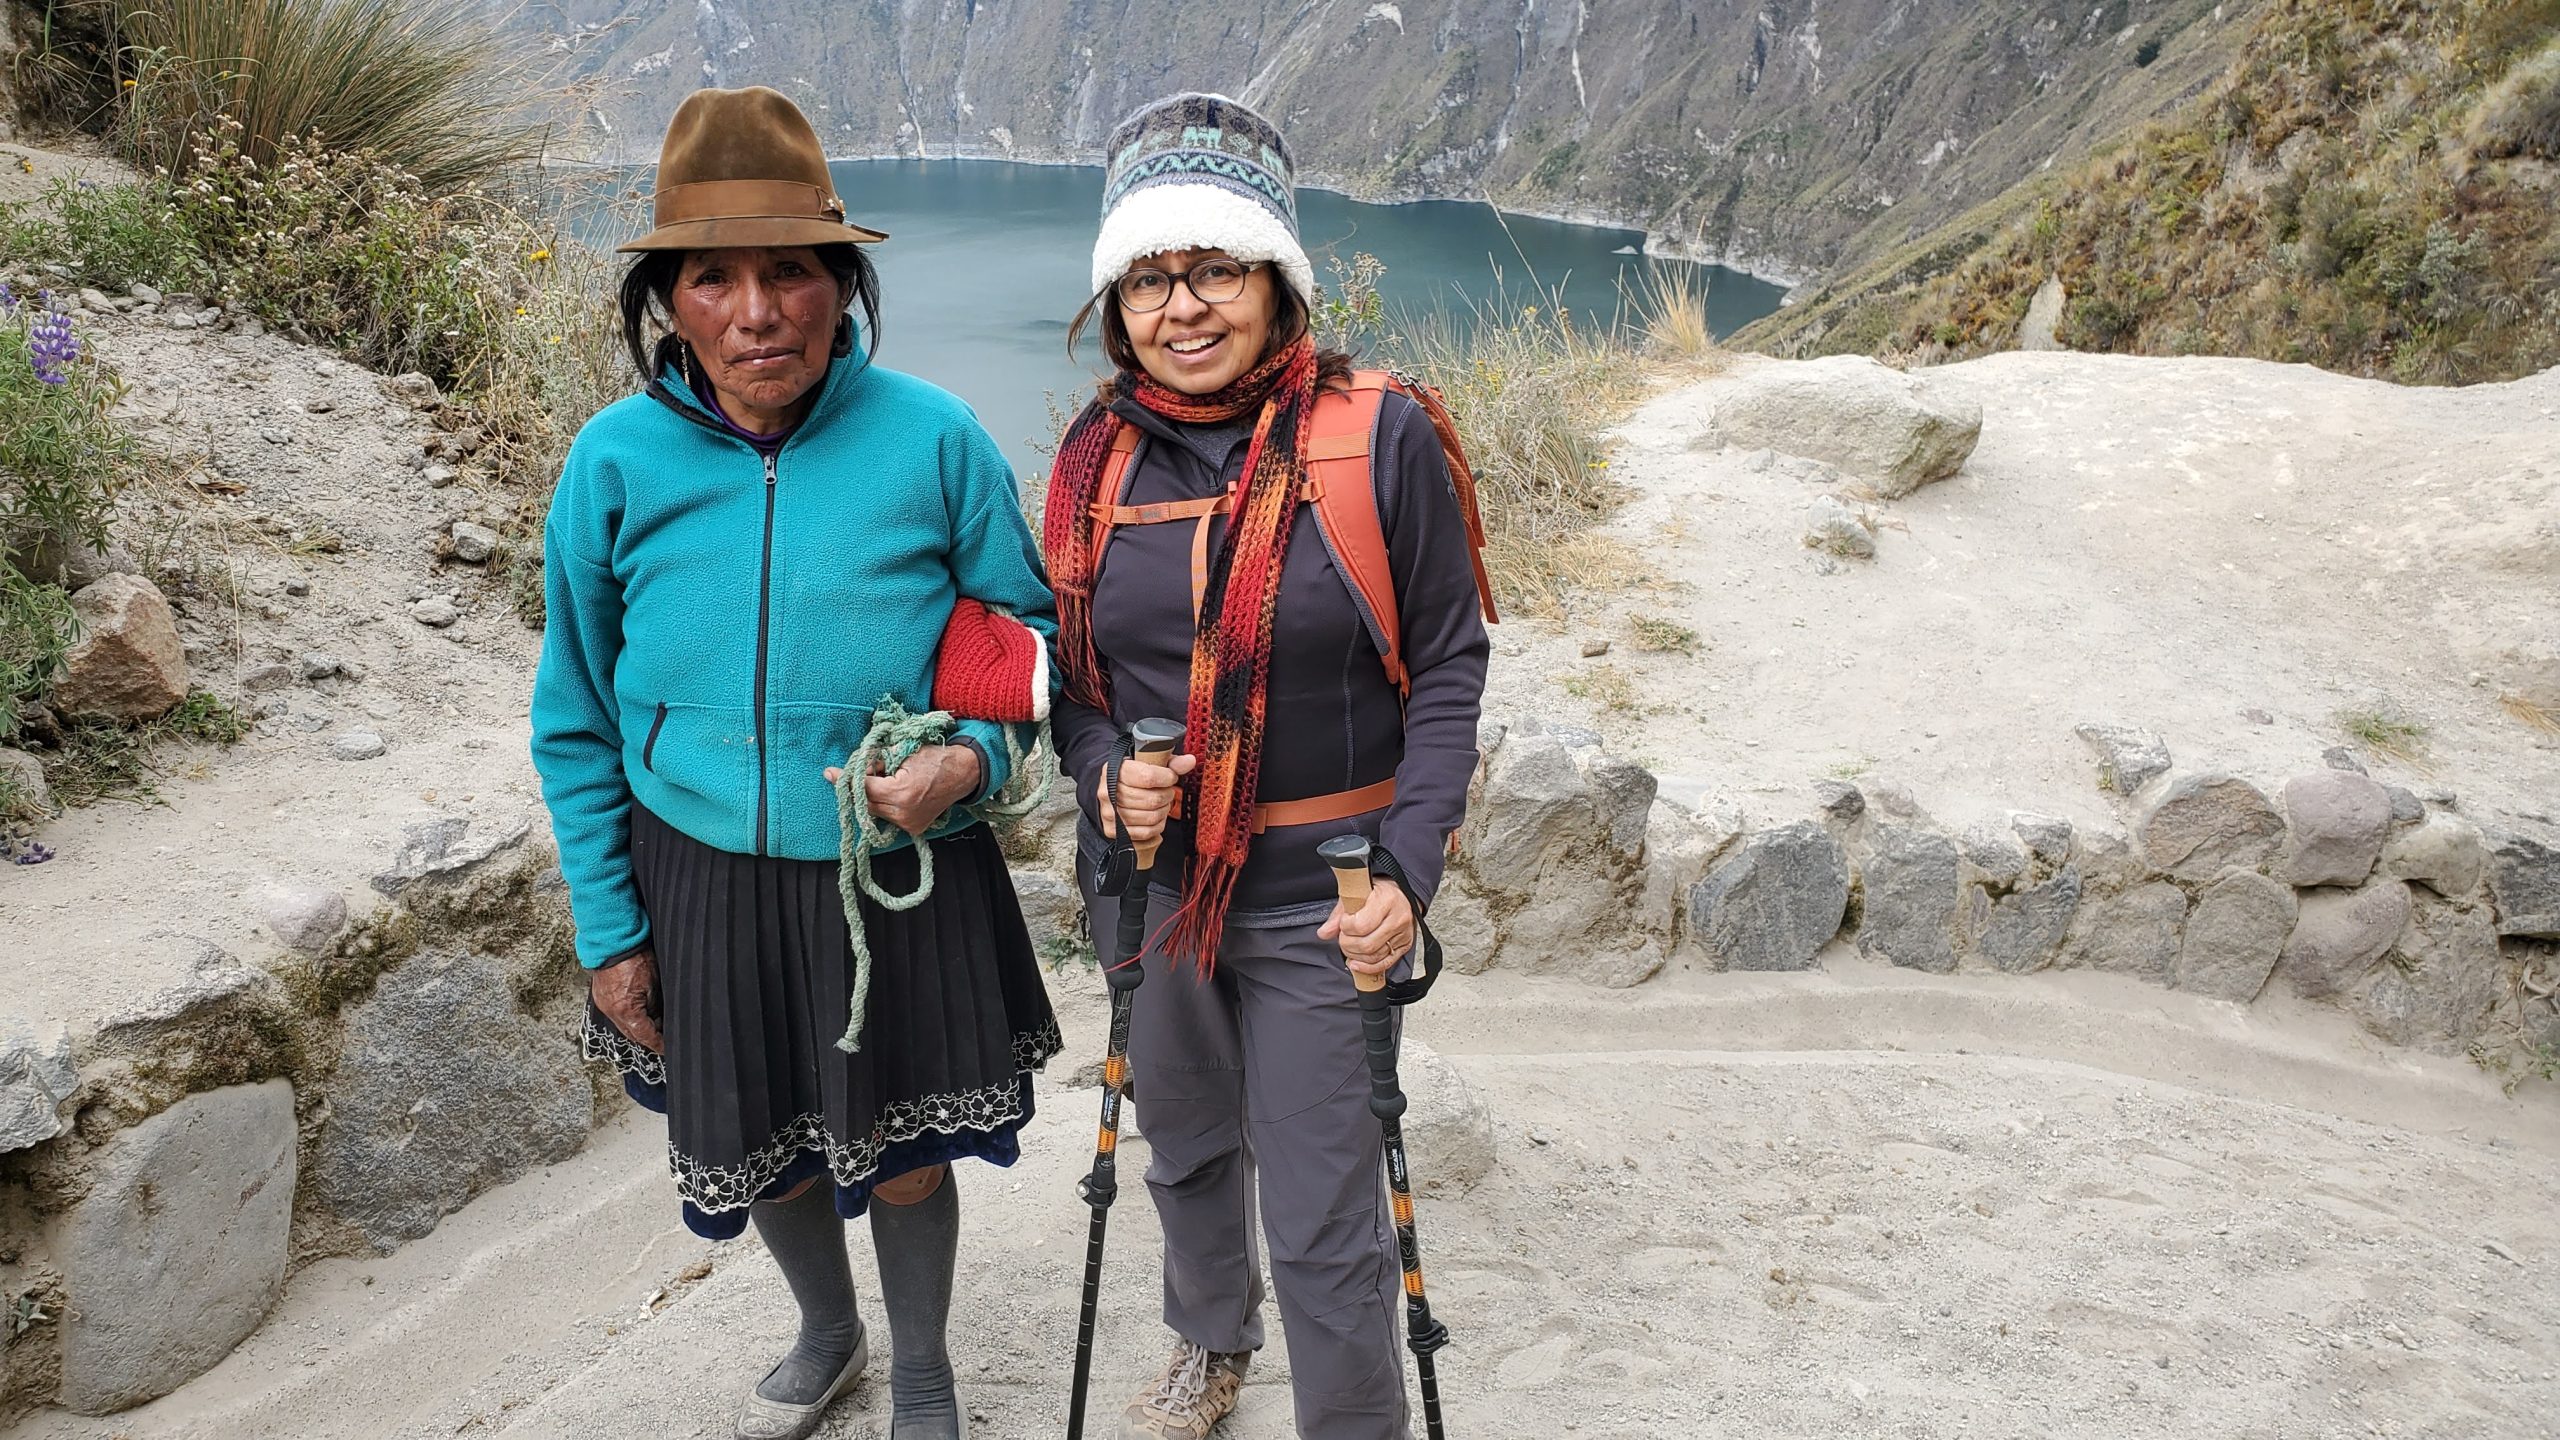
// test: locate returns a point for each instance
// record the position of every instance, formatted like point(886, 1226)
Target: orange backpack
point(1345, 496)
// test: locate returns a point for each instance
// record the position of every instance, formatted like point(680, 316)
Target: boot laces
point(1184, 1385)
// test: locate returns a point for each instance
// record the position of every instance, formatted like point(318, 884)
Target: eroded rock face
point(445, 1089)
point(128, 665)
point(2135, 933)
point(2024, 930)
point(36, 1079)
point(1893, 429)
point(179, 1250)
point(2233, 937)
point(1775, 903)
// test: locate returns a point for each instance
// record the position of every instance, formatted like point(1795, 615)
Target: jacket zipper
point(764, 615)
point(649, 747)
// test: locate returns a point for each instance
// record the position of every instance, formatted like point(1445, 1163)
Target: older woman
point(739, 563)
point(1226, 591)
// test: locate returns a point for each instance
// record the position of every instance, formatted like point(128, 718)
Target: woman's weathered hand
point(626, 994)
point(934, 779)
point(1377, 935)
point(1146, 797)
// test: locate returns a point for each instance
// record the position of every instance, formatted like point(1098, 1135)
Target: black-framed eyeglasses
point(1145, 289)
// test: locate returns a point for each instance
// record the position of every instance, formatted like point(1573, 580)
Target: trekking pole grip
point(1349, 857)
point(1153, 741)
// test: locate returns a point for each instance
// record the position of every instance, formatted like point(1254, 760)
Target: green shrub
point(111, 236)
point(2520, 115)
point(62, 458)
point(35, 629)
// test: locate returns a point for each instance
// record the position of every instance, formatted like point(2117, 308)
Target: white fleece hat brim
point(1175, 216)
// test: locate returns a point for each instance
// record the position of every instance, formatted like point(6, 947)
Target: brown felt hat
point(743, 167)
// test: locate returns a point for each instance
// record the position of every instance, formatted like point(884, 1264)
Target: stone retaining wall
point(341, 1092)
point(2433, 927)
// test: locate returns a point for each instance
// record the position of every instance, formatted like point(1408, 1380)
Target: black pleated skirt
point(754, 977)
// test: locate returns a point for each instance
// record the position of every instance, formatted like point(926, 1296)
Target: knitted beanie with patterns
point(1199, 172)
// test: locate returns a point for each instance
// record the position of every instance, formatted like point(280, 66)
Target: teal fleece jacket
point(720, 626)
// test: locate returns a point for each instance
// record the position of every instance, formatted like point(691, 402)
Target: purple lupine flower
point(8, 299)
point(31, 852)
point(52, 348)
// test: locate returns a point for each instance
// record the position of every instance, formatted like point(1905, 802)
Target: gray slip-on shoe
point(958, 1429)
point(762, 1419)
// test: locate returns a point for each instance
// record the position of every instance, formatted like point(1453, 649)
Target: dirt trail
point(1752, 1243)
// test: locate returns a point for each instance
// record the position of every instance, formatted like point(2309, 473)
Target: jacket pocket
point(808, 736)
point(705, 750)
point(649, 747)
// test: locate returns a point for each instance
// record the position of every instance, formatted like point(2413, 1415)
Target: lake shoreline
point(1774, 270)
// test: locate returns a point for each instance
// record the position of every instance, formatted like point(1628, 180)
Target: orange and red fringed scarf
point(1231, 646)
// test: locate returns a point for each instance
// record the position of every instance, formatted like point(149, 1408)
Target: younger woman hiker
point(1216, 586)
point(739, 563)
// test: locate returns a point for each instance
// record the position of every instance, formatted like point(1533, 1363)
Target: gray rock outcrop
point(128, 664)
point(179, 1249)
point(2443, 852)
point(2023, 930)
point(2440, 983)
point(1893, 429)
point(1775, 903)
point(445, 1089)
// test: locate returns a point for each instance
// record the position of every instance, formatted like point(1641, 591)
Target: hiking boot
point(1197, 1390)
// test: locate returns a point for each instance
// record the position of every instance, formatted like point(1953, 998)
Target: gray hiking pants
point(1258, 1074)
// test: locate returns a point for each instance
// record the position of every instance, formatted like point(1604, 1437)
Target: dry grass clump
point(1533, 390)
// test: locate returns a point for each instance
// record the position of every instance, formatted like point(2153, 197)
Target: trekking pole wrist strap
point(1426, 946)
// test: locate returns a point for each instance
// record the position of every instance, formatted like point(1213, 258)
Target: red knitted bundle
point(990, 667)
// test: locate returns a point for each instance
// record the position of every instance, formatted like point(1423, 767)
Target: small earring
point(684, 362)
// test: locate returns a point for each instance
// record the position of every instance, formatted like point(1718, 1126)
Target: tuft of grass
point(1851, 769)
point(2384, 731)
point(204, 716)
point(410, 83)
point(100, 760)
point(1533, 390)
point(2532, 712)
point(35, 632)
point(1607, 688)
point(110, 236)
point(1671, 305)
point(1657, 636)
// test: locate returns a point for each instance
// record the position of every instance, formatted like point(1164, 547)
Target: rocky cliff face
point(1780, 136)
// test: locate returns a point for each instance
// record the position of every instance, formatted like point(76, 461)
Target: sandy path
point(1770, 1243)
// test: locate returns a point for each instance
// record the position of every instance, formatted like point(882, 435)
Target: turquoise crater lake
point(987, 261)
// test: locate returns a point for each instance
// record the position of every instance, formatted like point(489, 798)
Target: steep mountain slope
point(1780, 136)
point(2374, 188)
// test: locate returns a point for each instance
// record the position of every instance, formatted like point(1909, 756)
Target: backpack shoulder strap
point(1115, 484)
point(1339, 444)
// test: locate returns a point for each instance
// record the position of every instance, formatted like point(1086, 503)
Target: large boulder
point(2441, 983)
point(23, 784)
point(2203, 825)
point(1555, 846)
point(1464, 926)
point(2233, 937)
point(2524, 880)
point(36, 1081)
point(1448, 1130)
point(2443, 852)
point(179, 1249)
point(2339, 936)
point(1911, 899)
point(1896, 430)
point(128, 664)
point(1775, 903)
point(2336, 821)
point(446, 1089)
point(2135, 933)
point(1679, 844)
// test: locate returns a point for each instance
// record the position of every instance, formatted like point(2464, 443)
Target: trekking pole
point(1152, 741)
point(1349, 857)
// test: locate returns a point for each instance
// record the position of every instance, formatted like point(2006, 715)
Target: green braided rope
point(896, 734)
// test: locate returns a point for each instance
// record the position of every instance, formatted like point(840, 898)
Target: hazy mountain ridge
point(1781, 138)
